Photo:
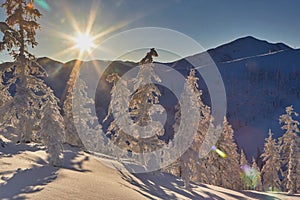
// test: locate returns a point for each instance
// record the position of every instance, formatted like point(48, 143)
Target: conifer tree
point(290, 126)
point(271, 168)
point(189, 104)
point(255, 176)
point(51, 128)
point(244, 167)
point(90, 131)
point(292, 176)
point(119, 104)
point(32, 96)
point(5, 102)
point(71, 133)
point(230, 177)
point(138, 105)
point(145, 96)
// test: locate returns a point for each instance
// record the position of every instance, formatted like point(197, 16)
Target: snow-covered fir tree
point(89, 130)
point(271, 168)
point(224, 170)
point(5, 102)
point(118, 105)
point(138, 105)
point(292, 176)
point(51, 128)
point(255, 176)
point(144, 98)
point(32, 96)
point(71, 134)
point(230, 177)
point(189, 166)
point(290, 126)
point(188, 103)
point(244, 167)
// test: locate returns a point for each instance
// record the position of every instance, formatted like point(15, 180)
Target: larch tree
point(271, 168)
point(290, 126)
point(32, 97)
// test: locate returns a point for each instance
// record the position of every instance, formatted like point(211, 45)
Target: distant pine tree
point(244, 167)
point(271, 168)
point(256, 177)
point(288, 158)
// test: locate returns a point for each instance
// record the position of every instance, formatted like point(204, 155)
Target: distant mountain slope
point(245, 47)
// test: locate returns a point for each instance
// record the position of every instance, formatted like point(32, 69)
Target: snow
point(25, 174)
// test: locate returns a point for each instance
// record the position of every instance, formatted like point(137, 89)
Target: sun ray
point(92, 17)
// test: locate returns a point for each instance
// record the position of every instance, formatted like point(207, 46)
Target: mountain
point(260, 80)
point(243, 48)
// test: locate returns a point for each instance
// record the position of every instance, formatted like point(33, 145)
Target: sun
point(84, 42)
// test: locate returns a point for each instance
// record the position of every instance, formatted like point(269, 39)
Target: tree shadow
point(35, 178)
point(11, 149)
point(27, 181)
point(157, 184)
point(269, 197)
point(74, 159)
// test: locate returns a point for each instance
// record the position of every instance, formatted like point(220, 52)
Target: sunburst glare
point(84, 42)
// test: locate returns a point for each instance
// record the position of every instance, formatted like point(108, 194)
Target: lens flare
point(250, 176)
point(43, 4)
point(218, 151)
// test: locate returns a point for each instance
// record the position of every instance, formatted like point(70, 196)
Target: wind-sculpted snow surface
point(25, 175)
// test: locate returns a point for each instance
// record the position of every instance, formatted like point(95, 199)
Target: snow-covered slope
point(24, 174)
point(245, 47)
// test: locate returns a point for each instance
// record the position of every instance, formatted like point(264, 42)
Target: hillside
point(25, 175)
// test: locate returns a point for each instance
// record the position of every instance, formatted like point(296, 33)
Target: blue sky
point(209, 22)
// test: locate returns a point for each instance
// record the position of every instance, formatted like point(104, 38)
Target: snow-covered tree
point(292, 177)
point(290, 126)
point(90, 131)
point(144, 98)
point(271, 168)
point(226, 143)
point(4, 104)
point(51, 128)
point(138, 106)
point(224, 170)
point(28, 104)
point(244, 168)
point(188, 103)
point(71, 134)
point(119, 105)
point(255, 176)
